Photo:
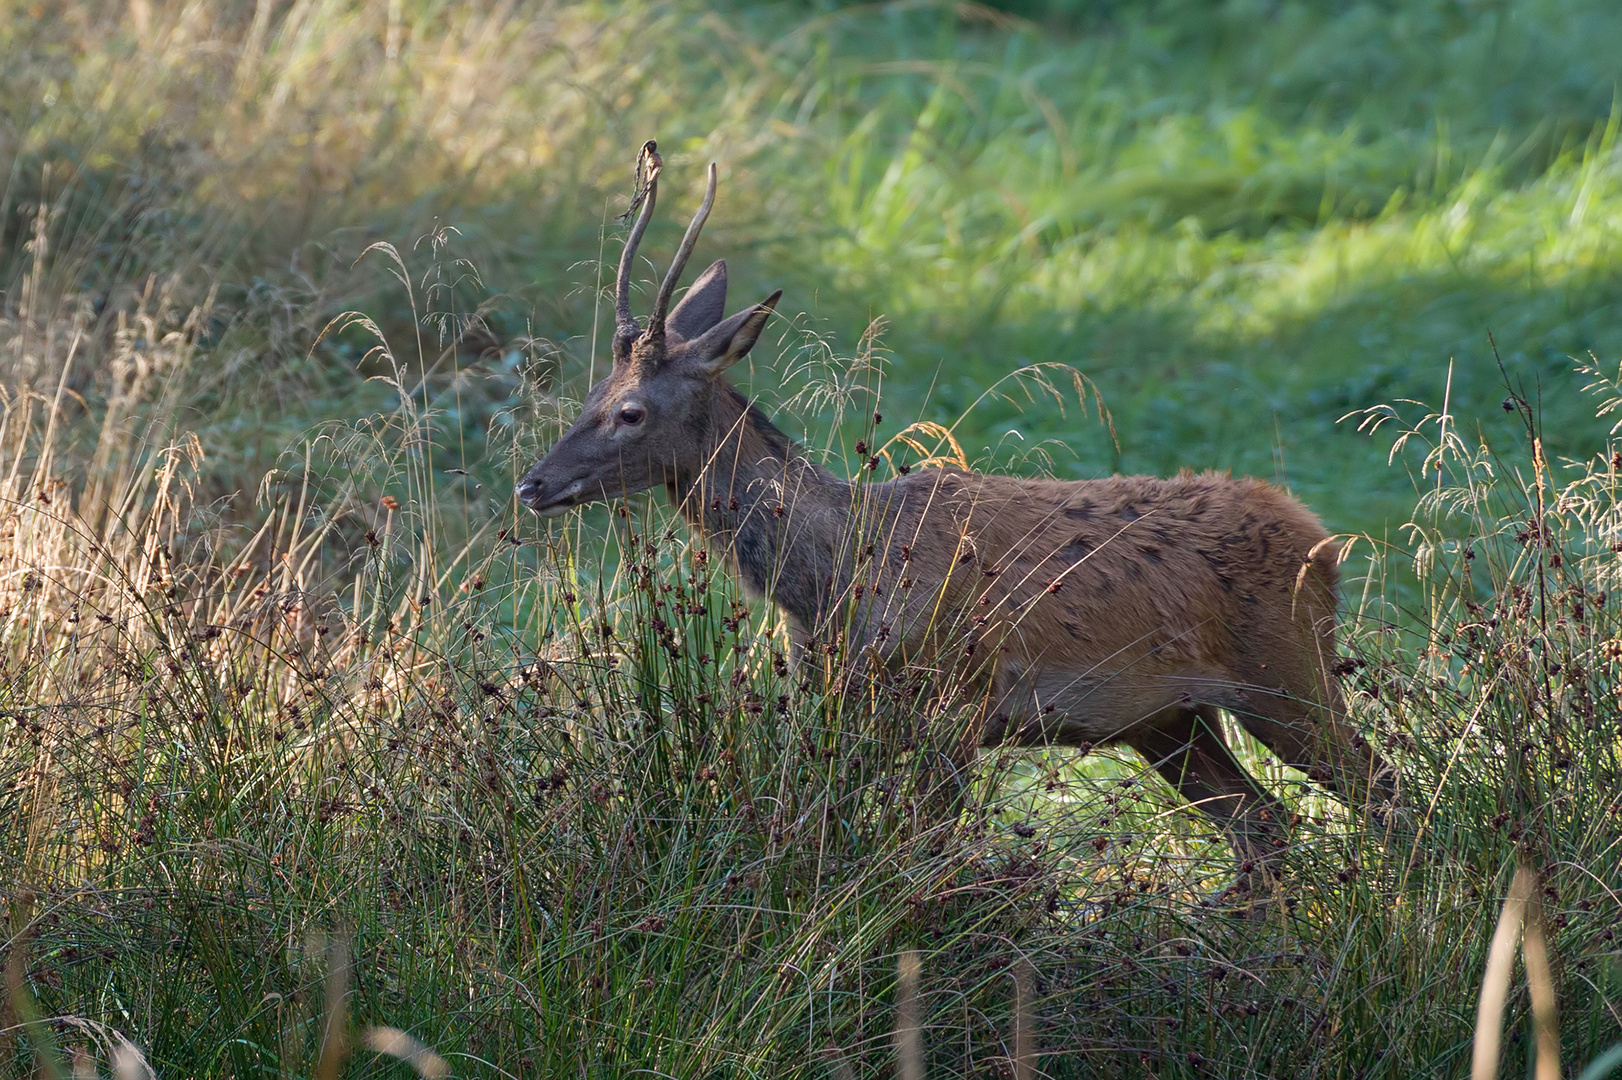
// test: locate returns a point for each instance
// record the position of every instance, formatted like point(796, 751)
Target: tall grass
point(572, 810)
point(283, 666)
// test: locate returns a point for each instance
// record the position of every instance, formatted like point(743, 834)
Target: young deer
point(1127, 610)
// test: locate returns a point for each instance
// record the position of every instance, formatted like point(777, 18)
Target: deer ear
point(730, 341)
point(703, 305)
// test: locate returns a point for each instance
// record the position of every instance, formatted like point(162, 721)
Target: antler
point(656, 325)
point(624, 321)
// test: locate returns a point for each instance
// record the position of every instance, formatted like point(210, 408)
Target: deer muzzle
point(546, 501)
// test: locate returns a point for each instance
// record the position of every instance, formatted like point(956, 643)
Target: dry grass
point(267, 686)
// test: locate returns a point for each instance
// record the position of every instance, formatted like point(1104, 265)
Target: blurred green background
point(1242, 220)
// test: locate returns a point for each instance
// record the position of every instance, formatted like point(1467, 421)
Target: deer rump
point(1127, 610)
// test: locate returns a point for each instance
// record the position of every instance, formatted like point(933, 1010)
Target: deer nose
point(532, 492)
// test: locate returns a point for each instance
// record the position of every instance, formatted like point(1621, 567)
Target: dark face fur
point(646, 422)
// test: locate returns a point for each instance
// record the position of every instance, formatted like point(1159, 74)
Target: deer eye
point(632, 414)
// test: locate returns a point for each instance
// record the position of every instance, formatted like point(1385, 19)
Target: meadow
point(316, 751)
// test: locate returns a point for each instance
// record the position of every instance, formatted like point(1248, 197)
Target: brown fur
point(1128, 610)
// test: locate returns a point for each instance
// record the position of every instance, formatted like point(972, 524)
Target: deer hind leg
point(1185, 746)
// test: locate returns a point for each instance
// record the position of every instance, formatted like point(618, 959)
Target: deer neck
point(781, 519)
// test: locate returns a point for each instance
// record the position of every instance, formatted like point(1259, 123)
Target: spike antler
point(648, 164)
point(679, 263)
point(626, 330)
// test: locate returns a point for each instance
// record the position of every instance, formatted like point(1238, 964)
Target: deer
point(1128, 610)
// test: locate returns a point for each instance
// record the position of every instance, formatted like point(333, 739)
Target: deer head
point(645, 422)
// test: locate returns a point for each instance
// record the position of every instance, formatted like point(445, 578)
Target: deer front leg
point(978, 697)
point(945, 770)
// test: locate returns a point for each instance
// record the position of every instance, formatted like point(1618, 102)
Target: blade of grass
point(1024, 1021)
point(909, 1040)
point(1495, 981)
point(1535, 948)
point(397, 1044)
point(334, 1040)
point(21, 999)
point(1603, 1065)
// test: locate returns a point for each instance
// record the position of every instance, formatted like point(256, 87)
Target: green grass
point(294, 682)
